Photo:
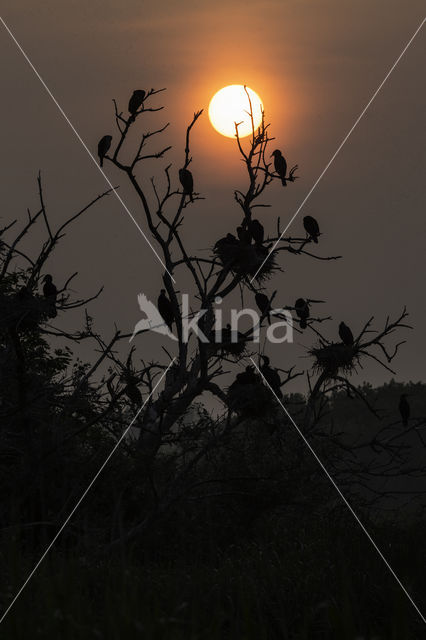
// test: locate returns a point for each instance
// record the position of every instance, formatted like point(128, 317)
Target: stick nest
point(335, 357)
point(250, 400)
point(226, 346)
point(24, 311)
point(245, 259)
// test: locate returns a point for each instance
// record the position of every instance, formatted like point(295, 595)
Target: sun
point(230, 105)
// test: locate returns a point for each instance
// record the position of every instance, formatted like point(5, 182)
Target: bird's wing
point(154, 318)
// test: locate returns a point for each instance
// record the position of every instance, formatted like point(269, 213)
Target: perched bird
point(280, 165)
point(263, 305)
point(257, 231)
point(404, 409)
point(165, 308)
point(311, 228)
point(132, 392)
point(136, 102)
point(228, 240)
point(271, 376)
point(346, 334)
point(187, 182)
point(153, 320)
point(244, 235)
point(49, 289)
point(301, 307)
point(103, 148)
point(50, 292)
point(246, 377)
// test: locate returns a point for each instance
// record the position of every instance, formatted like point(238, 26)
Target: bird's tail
point(315, 239)
point(101, 162)
point(284, 182)
point(190, 197)
point(303, 324)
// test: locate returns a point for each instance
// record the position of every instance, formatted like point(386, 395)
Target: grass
point(321, 580)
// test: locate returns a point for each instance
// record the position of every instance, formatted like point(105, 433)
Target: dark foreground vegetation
point(202, 525)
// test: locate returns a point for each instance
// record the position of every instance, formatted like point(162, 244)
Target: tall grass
point(319, 579)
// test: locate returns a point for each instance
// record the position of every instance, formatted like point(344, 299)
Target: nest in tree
point(24, 311)
point(225, 344)
point(245, 259)
point(335, 357)
point(250, 400)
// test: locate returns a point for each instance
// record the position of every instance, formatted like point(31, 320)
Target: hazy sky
point(315, 64)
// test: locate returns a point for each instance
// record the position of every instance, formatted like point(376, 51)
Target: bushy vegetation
point(200, 525)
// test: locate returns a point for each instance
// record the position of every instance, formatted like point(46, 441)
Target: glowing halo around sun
point(230, 105)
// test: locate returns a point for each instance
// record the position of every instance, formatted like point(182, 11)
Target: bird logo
point(153, 321)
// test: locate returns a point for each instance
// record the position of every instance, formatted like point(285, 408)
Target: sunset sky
point(315, 65)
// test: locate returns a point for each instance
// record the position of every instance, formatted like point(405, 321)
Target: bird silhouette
point(153, 321)
point(257, 231)
point(244, 235)
point(271, 376)
point(246, 377)
point(263, 305)
point(132, 392)
point(280, 165)
point(187, 182)
point(103, 148)
point(225, 242)
point(346, 334)
point(165, 308)
point(50, 292)
point(404, 409)
point(311, 228)
point(135, 102)
point(301, 307)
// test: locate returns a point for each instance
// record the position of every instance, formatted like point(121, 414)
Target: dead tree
point(235, 263)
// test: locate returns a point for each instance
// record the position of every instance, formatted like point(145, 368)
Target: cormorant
point(132, 392)
point(231, 239)
point(302, 310)
point(244, 235)
point(404, 409)
point(280, 165)
point(246, 377)
point(271, 376)
point(103, 148)
point(136, 101)
point(50, 292)
point(257, 231)
point(187, 182)
point(346, 334)
point(165, 308)
point(311, 228)
point(226, 241)
point(263, 304)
